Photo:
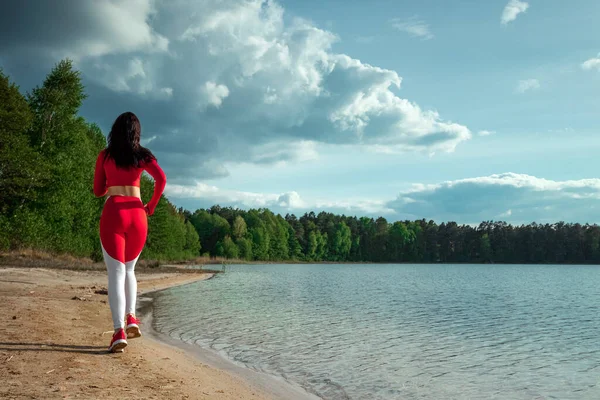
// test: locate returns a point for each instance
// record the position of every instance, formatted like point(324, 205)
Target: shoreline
point(274, 386)
point(55, 332)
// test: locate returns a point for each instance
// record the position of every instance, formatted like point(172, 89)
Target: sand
point(54, 331)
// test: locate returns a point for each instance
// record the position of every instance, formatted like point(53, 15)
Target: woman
point(123, 224)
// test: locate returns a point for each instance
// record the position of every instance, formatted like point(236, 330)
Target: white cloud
point(214, 195)
point(215, 93)
point(201, 195)
point(269, 80)
point(290, 200)
point(592, 63)
point(486, 133)
point(515, 198)
point(512, 10)
point(375, 208)
point(413, 26)
point(527, 198)
point(527, 84)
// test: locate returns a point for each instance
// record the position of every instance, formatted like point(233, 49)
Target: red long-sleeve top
point(108, 174)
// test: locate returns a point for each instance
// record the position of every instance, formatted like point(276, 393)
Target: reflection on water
point(402, 331)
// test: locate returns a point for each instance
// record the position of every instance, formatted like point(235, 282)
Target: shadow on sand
point(65, 348)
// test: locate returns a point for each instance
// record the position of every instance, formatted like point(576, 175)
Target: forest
point(47, 157)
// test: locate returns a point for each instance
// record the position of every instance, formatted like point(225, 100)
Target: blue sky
point(446, 110)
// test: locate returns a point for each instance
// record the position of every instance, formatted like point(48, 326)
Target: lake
point(401, 331)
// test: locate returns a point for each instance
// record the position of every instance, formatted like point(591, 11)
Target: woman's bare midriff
point(132, 191)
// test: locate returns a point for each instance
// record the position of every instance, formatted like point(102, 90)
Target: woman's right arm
point(100, 188)
point(160, 180)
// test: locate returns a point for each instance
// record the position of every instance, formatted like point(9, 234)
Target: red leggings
point(123, 227)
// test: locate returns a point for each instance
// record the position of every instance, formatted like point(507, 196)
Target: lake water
point(401, 331)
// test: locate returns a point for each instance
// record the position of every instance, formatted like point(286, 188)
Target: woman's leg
point(130, 286)
point(116, 279)
point(112, 240)
point(136, 239)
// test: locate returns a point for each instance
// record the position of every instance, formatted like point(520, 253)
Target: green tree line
point(261, 235)
point(47, 157)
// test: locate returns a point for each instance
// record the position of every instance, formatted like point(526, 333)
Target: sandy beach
point(55, 330)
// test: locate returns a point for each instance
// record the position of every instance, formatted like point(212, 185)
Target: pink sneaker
point(118, 342)
point(133, 327)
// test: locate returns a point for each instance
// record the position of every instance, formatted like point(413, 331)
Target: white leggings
point(122, 288)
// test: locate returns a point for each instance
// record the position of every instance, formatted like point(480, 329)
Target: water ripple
point(401, 331)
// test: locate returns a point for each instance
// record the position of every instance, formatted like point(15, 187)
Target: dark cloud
point(78, 28)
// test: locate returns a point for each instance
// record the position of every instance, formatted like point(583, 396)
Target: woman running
point(123, 224)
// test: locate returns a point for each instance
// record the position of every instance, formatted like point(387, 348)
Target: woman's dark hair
point(124, 142)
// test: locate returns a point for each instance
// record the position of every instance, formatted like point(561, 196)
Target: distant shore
point(41, 259)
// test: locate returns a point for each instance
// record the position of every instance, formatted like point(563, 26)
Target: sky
point(451, 110)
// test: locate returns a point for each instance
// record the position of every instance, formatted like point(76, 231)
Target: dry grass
point(31, 258)
point(210, 261)
point(42, 259)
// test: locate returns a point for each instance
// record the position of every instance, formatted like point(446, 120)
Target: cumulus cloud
point(201, 195)
point(592, 63)
point(516, 198)
point(486, 133)
point(214, 195)
point(215, 93)
point(223, 197)
point(527, 84)
point(223, 81)
point(512, 10)
point(511, 197)
point(413, 26)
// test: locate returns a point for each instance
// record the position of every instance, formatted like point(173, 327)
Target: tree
point(192, 240)
point(227, 248)
point(322, 253)
point(55, 106)
point(65, 209)
point(399, 239)
point(341, 242)
point(257, 233)
point(245, 249)
point(239, 228)
point(211, 228)
point(485, 248)
point(278, 235)
point(313, 245)
point(22, 170)
point(293, 244)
